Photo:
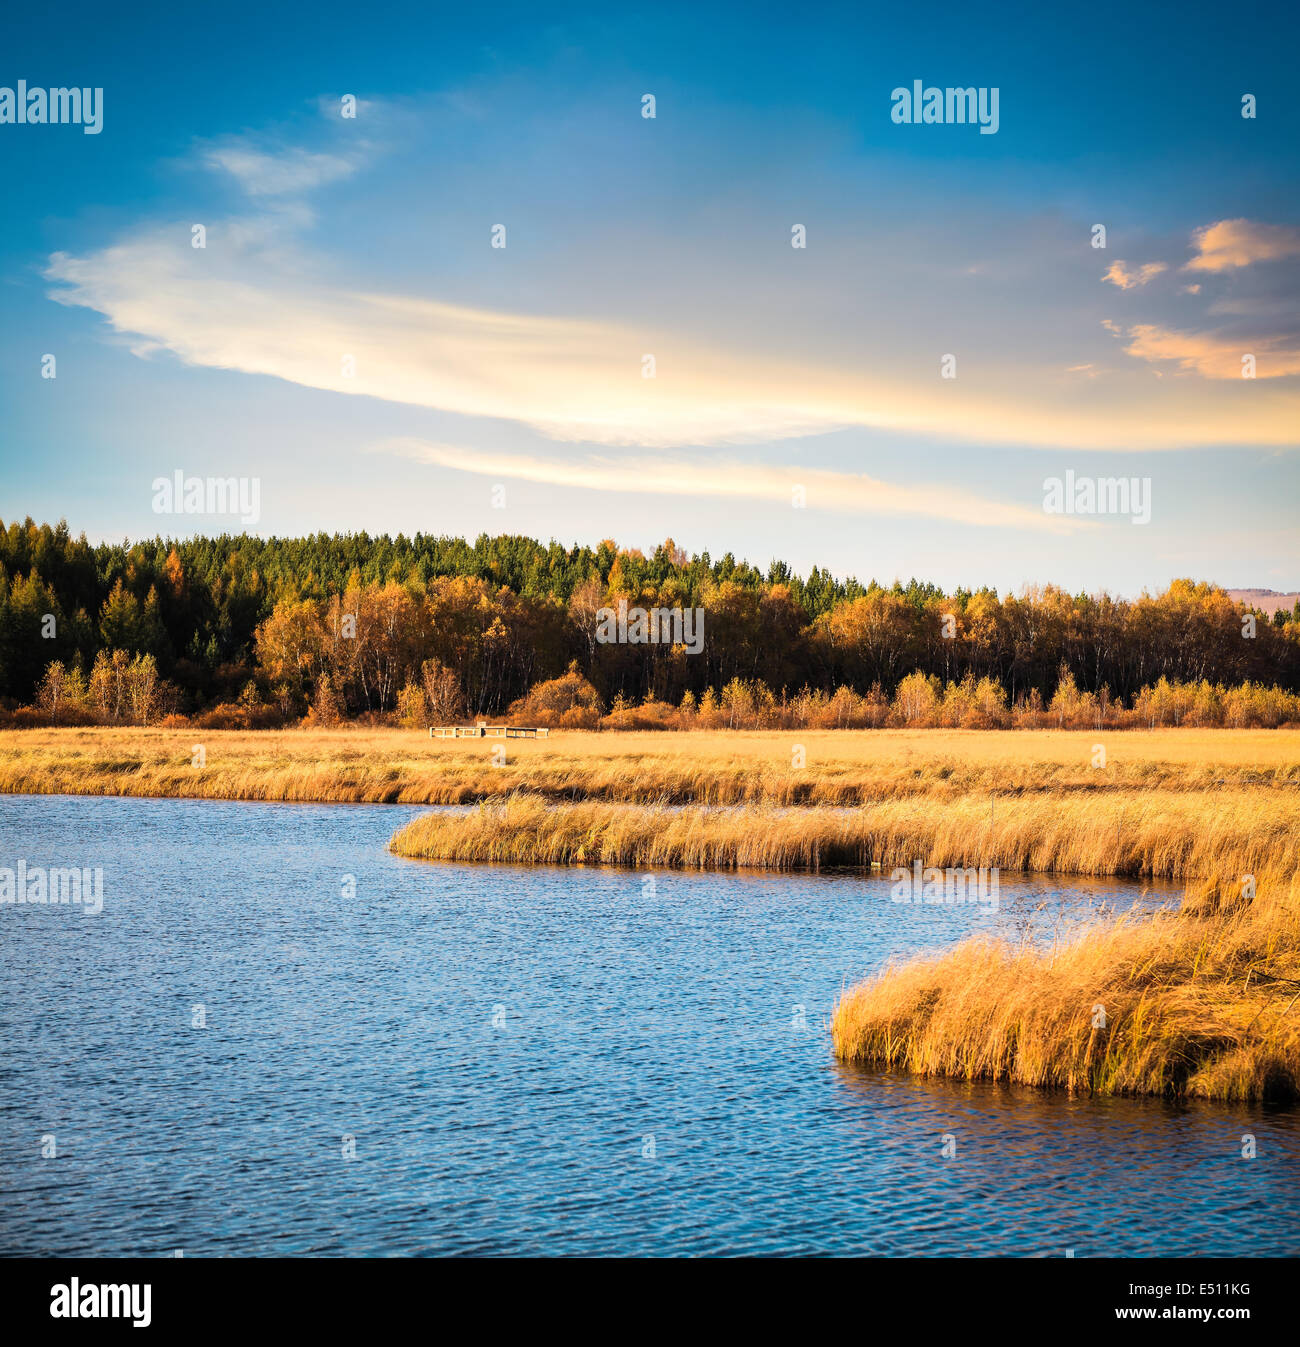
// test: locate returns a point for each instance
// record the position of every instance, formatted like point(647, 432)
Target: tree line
point(348, 625)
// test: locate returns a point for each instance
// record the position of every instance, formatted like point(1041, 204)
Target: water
point(534, 1061)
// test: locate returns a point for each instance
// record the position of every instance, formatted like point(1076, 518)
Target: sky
point(648, 356)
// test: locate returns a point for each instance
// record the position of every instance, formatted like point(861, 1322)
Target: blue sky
point(515, 374)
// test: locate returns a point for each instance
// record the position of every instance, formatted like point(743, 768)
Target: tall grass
point(1200, 1003)
point(1188, 835)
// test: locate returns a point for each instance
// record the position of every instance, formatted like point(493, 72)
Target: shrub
point(569, 701)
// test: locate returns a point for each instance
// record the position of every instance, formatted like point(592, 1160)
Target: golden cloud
point(1230, 244)
point(1212, 355)
point(1120, 274)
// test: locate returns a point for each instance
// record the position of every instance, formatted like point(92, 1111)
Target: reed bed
point(1200, 1004)
point(1187, 836)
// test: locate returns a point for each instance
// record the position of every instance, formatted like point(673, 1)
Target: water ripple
point(536, 1061)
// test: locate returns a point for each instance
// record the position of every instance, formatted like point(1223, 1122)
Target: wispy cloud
point(841, 492)
point(568, 378)
point(257, 303)
point(264, 171)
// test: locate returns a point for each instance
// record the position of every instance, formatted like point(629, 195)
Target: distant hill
point(1266, 600)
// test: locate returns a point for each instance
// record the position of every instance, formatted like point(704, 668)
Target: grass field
point(841, 767)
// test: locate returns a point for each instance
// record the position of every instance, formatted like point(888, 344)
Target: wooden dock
point(485, 731)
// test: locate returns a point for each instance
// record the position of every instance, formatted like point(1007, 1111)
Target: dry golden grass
point(843, 767)
point(1188, 835)
point(1194, 1004)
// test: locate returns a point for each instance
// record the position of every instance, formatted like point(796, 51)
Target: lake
point(244, 1054)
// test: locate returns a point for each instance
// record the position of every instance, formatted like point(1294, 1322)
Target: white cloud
point(287, 171)
point(253, 302)
point(841, 492)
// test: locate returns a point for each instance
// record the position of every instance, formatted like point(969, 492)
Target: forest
point(255, 631)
